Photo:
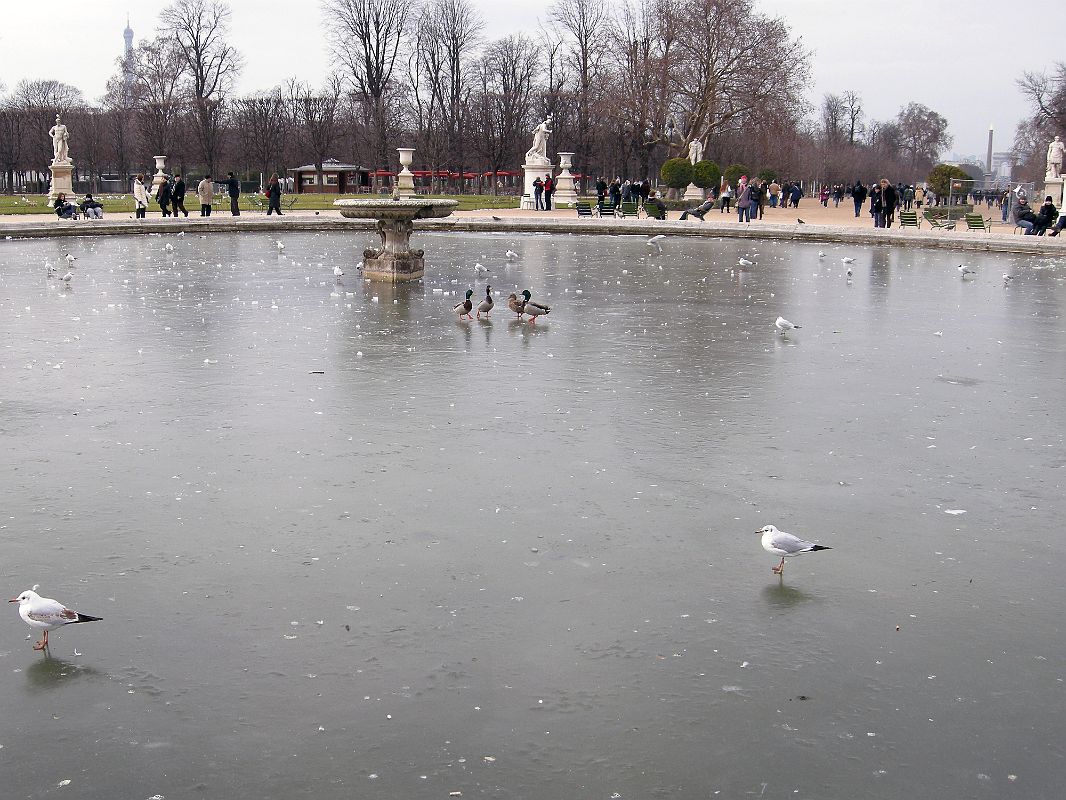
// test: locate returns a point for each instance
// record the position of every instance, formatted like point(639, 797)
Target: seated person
point(699, 212)
point(1058, 226)
point(1046, 216)
point(1024, 217)
point(91, 209)
point(64, 208)
point(654, 207)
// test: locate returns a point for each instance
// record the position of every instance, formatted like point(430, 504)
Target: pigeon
point(745, 263)
point(848, 260)
point(46, 613)
point(785, 545)
point(498, 219)
point(511, 255)
point(784, 325)
point(965, 272)
point(800, 222)
point(337, 272)
point(848, 272)
point(485, 306)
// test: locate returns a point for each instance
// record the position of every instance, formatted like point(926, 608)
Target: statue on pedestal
point(1055, 151)
point(695, 151)
point(60, 137)
point(538, 153)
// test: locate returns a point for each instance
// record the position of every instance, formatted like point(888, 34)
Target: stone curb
point(942, 240)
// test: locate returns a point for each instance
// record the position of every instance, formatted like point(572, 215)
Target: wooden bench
point(605, 209)
point(583, 209)
point(975, 222)
point(909, 219)
point(630, 210)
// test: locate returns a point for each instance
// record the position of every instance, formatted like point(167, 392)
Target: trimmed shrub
point(768, 175)
point(676, 173)
point(707, 175)
point(942, 175)
point(733, 173)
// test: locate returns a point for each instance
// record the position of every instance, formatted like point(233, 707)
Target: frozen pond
point(345, 546)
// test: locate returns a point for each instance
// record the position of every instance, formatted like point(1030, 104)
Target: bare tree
point(263, 124)
point(922, 134)
point(158, 98)
point(12, 135)
point(853, 105)
point(314, 119)
point(40, 101)
point(210, 64)
point(1047, 94)
point(365, 36)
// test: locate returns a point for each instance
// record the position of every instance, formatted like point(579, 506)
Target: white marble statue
point(538, 153)
point(1055, 151)
point(695, 151)
point(60, 137)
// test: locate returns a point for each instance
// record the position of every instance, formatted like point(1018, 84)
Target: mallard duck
point(533, 309)
point(464, 308)
point(485, 306)
point(516, 305)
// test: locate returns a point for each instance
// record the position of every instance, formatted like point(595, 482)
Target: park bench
point(583, 209)
point(909, 219)
point(630, 210)
point(605, 209)
point(975, 222)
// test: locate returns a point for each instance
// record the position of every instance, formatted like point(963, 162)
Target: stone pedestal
point(62, 182)
point(394, 261)
point(405, 181)
point(533, 171)
point(565, 190)
point(694, 192)
point(1053, 187)
point(160, 164)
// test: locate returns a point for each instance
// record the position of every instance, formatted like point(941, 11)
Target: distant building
point(127, 60)
point(337, 178)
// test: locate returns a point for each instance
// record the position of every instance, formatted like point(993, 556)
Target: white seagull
point(281, 246)
point(480, 269)
point(70, 259)
point(168, 247)
point(46, 613)
point(511, 255)
point(965, 271)
point(821, 254)
point(337, 272)
point(848, 260)
point(785, 545)
point(68, 277)
point(655, 240)
point(785, 326)
point(180, 234)
point(745, 263)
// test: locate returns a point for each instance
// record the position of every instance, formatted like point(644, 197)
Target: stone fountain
point(394, 261)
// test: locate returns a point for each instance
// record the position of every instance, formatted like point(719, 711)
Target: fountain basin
point(394, 261)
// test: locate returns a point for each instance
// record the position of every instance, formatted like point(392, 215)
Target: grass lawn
point(123, 204)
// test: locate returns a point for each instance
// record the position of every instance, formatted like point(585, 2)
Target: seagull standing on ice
point(654, 241)
point(480, 269)
point(280, 246)
point(785, 545)
point(45, 613)
point(70, 259)
point(785, 326)
point(1007, 278)
point(745, 263)
point(965, 271)
point(511, 255)
point(848, 260)
point(337, 272)
point(68, 277)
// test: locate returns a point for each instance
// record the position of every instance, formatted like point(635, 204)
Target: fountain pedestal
point(160, 175)
point(405, 180)
point(62, 182)
point(394, 261)
point(565, 189)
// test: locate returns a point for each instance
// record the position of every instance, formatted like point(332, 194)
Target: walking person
point(858, 194)
point(233, 187)
point(273, 193)
point(889, 201)
point(601, 191)
point(205, 190)
point(549, 190)
point(877, 209)
point(538, 194)
point(163, 195)
point(616, 192)
point(726, 197)
point(140, 197)
point(178, 198)
point(743, 202)
point(775, 192)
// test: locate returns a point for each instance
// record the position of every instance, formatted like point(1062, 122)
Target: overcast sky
point(959, 58)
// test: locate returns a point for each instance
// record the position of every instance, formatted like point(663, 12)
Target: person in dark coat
point(1047, 216)
point(654, 207)
point(601, 191)
point(616, 192)
point(179, 196)
point(858, 194)
point(889, 202)
point(233, 187)
point(163, 196)
point(273, 192)
point(538, 194)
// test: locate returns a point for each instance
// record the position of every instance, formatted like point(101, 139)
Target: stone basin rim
point(395, 209)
